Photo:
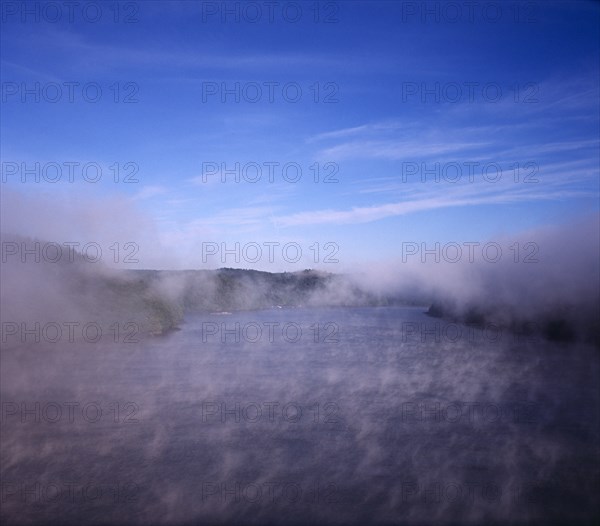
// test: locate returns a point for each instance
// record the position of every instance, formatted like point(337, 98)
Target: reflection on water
point(361, 416)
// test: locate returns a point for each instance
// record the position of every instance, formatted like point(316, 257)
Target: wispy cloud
point(173, 59)
point(362, 130)
point(397, 150)
point(374, 213)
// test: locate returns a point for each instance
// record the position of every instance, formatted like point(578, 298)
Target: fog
point(556, 272)
point(373, 413)
point(299, 263)
point(388, 428)
point(552, 271)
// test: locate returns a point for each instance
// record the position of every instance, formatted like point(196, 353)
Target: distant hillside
point(156, 301)
point(230, 289)
point(559, 323)
point(75, 290)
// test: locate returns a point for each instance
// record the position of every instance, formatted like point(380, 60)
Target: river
point(379, 415)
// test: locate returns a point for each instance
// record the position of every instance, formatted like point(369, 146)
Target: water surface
point(377, 415)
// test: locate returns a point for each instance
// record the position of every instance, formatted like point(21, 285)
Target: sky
point(347, 129)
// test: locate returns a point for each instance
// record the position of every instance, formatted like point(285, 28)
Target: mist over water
point(286, 399)
point(427, 352)
point(368, 421)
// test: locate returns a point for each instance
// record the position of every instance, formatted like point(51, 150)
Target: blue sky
point(522, 90)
